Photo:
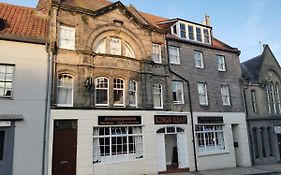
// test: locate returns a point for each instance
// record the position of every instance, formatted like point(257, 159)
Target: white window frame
point(135, 152)
point(67, 37)
point(115, 46)
point(101, 88)
point(189, 33)
point(121, 88)
point(182, 31)
point(6, 80)
point(128, 52)
point(198, 58)
point(133, 90)
point(65, 87)
point(156, 53)
point(174, 55)
point(158, 90)
point(101, 46)
point(221, 63)
point(203, 94)
point(177, 87)
point(207, 140)
point(206, 37)
point(225, 94)
point(198, 34)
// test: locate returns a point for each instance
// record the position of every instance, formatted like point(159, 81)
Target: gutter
point(47, 111)
point(190, 106)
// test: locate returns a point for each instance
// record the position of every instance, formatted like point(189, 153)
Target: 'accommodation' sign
point(119, 120)
point(170, 119)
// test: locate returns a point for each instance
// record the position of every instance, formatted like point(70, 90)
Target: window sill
point(204, 105)
point(178, 103)
point(212, 153)
point(117, 162)
point(6, 97)
point(64, 105)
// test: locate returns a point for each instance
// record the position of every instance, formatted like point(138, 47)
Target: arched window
point(268, 99)
point(254, 101)
point(157, 96)
point(101, 46)
point(118, 92)
point(277, 98)
point(170, 130)
point(133, 93)
point(65, 90)
point(102, 92)
point(128, 51)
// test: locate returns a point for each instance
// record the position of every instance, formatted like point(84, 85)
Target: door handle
point(63, 162)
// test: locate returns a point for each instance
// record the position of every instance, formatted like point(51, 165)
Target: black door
point(64, 147)
point(6, 149)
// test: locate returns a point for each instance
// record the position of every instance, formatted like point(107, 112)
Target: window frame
point(64, 41)
point(97, 88)
point(225, 94)
point(206, 34)
point(205, 94)
point(254, 100)
point(201, 59)
point(65, 87)
point(179, 86)
point(191, 32)
point(160, 95)
point(183, 31)
point(122, 84)
point(154, 53)
point(177, 56)
point(198, 34)
point(223, 63)
point(118, 50)
point(5, 81)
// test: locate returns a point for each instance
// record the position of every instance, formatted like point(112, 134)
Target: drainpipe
point(190, 106)
point(47, 111)
point(247, 122)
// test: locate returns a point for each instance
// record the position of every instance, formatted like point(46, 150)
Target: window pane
point(118, 95)
point(156, 53)
point(191, 32)
point(67, 37)
point(174, 55)
point(199, 34)
point(65, 90)
point(183, 30)
point(177, 92)
point(157, 95)
point(115, 46)
point(206, 36)
point(198, 57)
point(132, 93)
point(6, 80)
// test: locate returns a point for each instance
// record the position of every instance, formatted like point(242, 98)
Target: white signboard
point(277, 129)
point(5, 123)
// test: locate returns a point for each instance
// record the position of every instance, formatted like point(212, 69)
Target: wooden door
point(64, 147)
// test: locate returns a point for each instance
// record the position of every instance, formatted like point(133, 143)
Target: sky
point(244, 24)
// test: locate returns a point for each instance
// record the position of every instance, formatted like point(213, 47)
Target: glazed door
point(279, 144)
point(64, 147)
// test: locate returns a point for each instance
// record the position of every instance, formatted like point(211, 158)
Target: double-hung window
point(115, 46)
point(182, 30)
point(210, 138)
point(157, 95)
point(225, 95)
point(133, 93)
point(198, 58)
point(102, 92)
point(202, 92)
point(221, 63)
point(178, 96)
point(254, 100)
point(6, 80)
point(174, 55)
point(116, 144)
point(67, 37)
point(65, 90)
point(156, 53)
point(118, 92)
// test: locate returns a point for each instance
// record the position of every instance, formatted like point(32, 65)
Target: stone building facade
point(261, 77)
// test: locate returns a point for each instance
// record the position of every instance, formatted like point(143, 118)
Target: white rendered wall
point(28, 99)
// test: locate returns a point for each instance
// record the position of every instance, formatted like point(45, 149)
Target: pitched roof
point(251, 68)
point(22, 24)
point(87, 4)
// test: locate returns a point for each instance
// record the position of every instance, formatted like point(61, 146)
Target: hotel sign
point(119, 120)
point(206, 120)
point(170, 119)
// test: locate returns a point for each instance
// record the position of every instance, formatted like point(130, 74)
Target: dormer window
point(190, 32)
point(206, 36)
point(183, 30)
point(198, 34)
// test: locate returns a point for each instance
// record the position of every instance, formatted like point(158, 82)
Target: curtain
point(97, 153)
point(138, 142)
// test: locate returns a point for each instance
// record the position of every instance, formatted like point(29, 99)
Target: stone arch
point(121, 31)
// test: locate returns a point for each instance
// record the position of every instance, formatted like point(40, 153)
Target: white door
point(161, 152)
point(182, 150)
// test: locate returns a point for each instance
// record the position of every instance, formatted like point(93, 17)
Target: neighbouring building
point(262, 78)
point(212, 70)
point(23, 89)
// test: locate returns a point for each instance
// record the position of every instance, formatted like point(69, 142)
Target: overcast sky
point(238, 23)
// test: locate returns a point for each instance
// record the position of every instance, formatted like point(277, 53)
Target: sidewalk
point(262, 169)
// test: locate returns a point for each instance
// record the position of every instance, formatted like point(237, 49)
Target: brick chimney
point(207, 20)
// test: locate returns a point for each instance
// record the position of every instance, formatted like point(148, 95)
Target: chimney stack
point(207, 20)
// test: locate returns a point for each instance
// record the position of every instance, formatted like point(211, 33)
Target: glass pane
point(171, 130)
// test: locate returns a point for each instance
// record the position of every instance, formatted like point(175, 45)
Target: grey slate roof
point(251, 68)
